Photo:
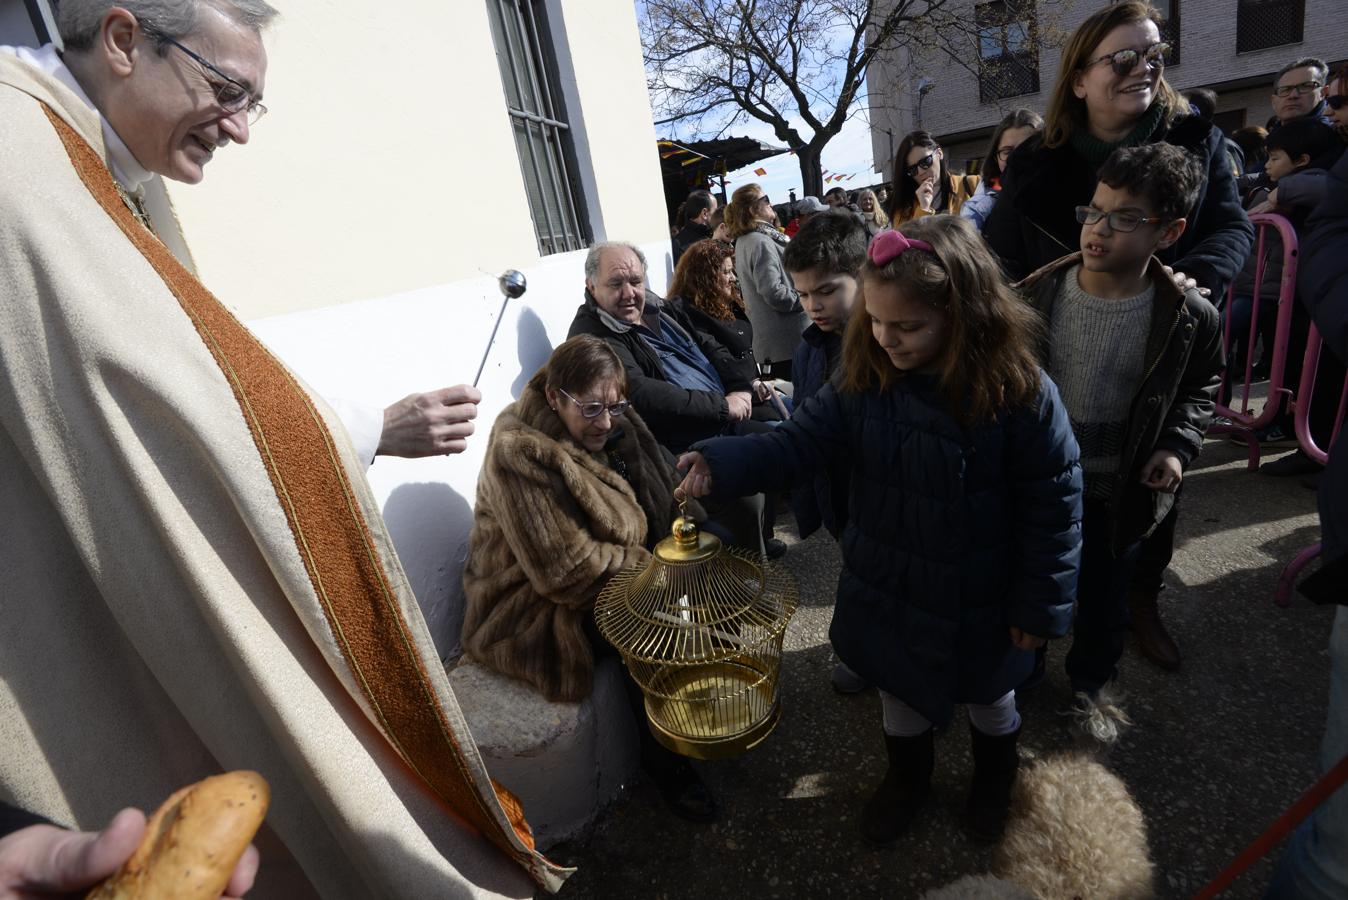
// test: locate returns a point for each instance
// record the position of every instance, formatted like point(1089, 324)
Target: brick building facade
point(1009, 51)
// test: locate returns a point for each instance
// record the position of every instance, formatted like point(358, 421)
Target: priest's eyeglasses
point(1119, 220)
point(230, 94)
point(592, 409)
point(1124, 61)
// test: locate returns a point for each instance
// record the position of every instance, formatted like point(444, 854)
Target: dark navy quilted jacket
point(952, 536)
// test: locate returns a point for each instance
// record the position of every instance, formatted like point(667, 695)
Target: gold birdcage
point(700, 629)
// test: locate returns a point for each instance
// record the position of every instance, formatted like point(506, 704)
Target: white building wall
point(360, 230)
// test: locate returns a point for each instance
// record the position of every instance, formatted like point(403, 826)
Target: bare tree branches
point(782, 62)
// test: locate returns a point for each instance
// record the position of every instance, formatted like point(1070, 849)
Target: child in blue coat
point(962, 540)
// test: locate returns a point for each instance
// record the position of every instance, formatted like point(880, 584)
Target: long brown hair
point(903, 189)
point(697, 279)
point(991, 170)
point(988, 364)
point(739, 212)
point(1066, 111)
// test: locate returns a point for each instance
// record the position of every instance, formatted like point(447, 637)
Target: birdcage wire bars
point(700, 629)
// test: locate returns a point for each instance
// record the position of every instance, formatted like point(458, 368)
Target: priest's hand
point(697, 483)
point(433, 424)
point(46, 861)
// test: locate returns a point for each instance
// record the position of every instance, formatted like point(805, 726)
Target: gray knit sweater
point(1097, 354)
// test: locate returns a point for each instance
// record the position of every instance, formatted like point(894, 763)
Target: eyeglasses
point(1125, 61)
point(921, 165)
point(1118, 220)
point(1005, 153)
point(1336, 101)
point(592, 409)
point(764, 199)
point(231, 95)
point(1306, 87)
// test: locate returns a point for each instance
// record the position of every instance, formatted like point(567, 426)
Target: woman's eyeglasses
point(593, 409)
point(1336, 101)
point(1125, 61)
point(921, 165)
point(1118, 220)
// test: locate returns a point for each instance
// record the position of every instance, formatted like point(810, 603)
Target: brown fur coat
point(553, 522)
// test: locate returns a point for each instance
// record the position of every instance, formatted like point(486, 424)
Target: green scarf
point(1096, 151)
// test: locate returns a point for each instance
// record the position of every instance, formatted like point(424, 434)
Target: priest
point(196, 576)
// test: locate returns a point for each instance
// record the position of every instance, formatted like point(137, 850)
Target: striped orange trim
point(331, 534)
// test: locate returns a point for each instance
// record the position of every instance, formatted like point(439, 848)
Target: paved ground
point(1220, 748)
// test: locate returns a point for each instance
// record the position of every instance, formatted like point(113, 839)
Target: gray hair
point(78, 21)
point(1306, 62)
point(597, 250)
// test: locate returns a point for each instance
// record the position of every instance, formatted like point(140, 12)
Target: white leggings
point(996, 718)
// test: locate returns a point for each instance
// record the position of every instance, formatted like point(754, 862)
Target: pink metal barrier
point(1302, 409)
point(1242, 418)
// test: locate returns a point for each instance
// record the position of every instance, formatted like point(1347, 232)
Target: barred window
point(543, 139)
point(1008, 49)
point(1268, 23)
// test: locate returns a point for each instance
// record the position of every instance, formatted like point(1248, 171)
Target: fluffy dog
point(1074, 833)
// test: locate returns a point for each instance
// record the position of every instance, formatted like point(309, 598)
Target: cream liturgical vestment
point(194, 575)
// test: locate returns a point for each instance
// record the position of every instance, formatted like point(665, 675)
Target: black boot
point(995, 765)
point(906, 787)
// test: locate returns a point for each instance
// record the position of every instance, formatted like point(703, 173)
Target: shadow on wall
point(430, 520)
point(532, 346)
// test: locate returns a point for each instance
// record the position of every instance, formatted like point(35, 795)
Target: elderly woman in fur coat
point(574, 490)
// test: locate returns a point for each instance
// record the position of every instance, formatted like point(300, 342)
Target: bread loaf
point(193, 841)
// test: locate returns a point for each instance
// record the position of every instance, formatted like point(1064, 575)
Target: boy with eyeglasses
point(1137, 362)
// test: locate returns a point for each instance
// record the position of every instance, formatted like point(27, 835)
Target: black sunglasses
point(1336, 101)
point(922, 165)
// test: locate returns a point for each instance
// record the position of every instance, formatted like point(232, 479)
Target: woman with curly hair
point(704, 282)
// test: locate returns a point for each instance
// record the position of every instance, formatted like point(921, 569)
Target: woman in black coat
point(704, 285)
point(1111, 92)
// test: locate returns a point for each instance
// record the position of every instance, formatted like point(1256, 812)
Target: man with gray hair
point(1299, 92)
point(684, 384)
point(197, 575)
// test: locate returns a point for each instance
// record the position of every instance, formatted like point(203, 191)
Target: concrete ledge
point(565, 761)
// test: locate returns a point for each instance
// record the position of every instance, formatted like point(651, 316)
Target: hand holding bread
point(193, 841)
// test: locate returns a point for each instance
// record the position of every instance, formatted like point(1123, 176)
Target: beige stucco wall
point(387, 162)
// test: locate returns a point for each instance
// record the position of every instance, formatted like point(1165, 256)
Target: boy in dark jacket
point(1137, 363)
point(824, 262)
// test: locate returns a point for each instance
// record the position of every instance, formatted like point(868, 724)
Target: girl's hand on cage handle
point(697, 483)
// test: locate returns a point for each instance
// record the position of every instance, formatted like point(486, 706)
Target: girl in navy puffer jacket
point(962, 541)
